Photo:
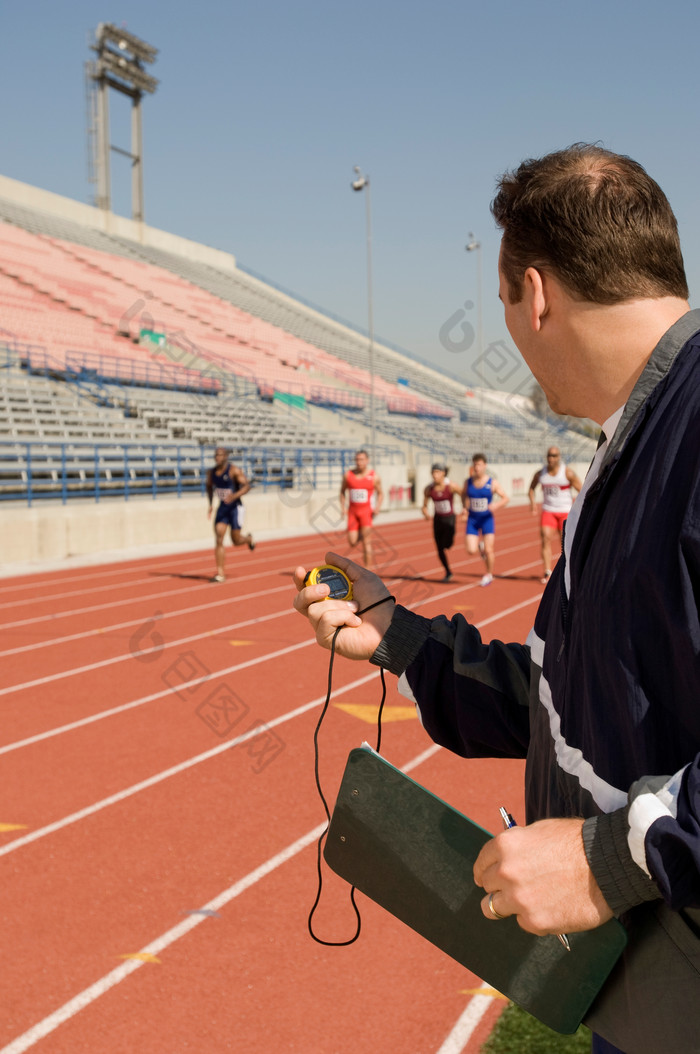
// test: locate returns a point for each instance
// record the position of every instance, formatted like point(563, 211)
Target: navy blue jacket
point(604, 699)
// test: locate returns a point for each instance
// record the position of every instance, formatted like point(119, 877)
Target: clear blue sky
point(263, 110)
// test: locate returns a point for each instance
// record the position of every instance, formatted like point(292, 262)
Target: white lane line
point(53, 616)
point(464, 1026)
point(143, 565)
point(99, 630)
point(89, 995)
point(189, 685)
point(155, 620)
point(198, 568)
point(420, 758)
point(190, 762)
point(145, 581)
point(152, 625)
point(94, 991)
point(112, 711)
point(76, 670)
point(43, 580)
point(194, 560)
point(17, 623)
point(85, 591)
point(508, 611)
point(175, 770)
point(132, 622)
point(152, 698)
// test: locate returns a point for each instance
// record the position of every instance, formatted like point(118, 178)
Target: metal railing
point(36, 470)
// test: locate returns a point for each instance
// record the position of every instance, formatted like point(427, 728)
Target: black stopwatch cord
point(322, 839)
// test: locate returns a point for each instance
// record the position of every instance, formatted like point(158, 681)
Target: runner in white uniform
point(556, 481)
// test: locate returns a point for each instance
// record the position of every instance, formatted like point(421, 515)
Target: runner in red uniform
point(364, 490)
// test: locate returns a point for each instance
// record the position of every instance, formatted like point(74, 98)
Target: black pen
point(509, 822)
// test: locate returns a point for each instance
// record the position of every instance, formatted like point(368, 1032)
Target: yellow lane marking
point(368, 712)
point(240, 643)
point(145, 957)
point(484, 990)
point(13, 826)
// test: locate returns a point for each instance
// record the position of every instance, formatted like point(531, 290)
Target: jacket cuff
point(406, 635)
point(622, 882)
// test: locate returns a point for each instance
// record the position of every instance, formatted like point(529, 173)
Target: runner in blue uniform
point(229, 483)
point(477, 496)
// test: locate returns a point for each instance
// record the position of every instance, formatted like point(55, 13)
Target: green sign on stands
point(298, 401)
point(152, 337)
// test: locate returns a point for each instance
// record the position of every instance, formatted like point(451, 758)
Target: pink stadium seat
point(68, 296)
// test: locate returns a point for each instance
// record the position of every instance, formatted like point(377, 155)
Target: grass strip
point(517, 1032)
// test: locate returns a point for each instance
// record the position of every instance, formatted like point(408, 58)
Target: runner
point(441, 492)
point(365, 492)
point(229, 483)
point(477, 496)
point(556, 481)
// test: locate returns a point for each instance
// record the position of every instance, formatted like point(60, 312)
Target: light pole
point(361, 182)
point(474, 246)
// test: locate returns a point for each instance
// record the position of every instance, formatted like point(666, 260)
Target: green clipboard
point(413, 854)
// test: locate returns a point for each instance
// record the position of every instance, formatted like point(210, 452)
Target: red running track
point(159, 814)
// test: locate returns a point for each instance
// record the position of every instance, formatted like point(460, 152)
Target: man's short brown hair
point(593, 219)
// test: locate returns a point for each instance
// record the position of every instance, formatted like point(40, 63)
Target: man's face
point(479, 466)
point(518, 324)
point(514, 314)
point(553, 460)
point(361, 462)
point(220, 456)
point(547, 359)
point(438, 477)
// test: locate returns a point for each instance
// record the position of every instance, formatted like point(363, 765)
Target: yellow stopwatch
point(327, 574)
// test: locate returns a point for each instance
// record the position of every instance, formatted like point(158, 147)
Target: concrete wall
point(50, 532)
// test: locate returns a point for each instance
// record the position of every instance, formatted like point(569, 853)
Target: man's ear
point(535, 296)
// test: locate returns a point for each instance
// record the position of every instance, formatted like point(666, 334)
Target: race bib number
point(551, 491)
point(222, 493)
point(443, 507)
point(359, 496)
point(478, 504)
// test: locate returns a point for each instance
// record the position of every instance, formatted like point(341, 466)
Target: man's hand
point(540, 874)
point(209, 512)
point(361, 635)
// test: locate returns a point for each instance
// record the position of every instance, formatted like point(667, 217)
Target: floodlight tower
point(119, 65)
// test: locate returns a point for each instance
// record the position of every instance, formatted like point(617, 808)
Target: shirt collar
point(609, 427)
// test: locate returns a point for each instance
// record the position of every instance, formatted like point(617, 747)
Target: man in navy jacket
point(604, 698)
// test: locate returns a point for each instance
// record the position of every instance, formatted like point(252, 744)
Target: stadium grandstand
point(124, 362)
